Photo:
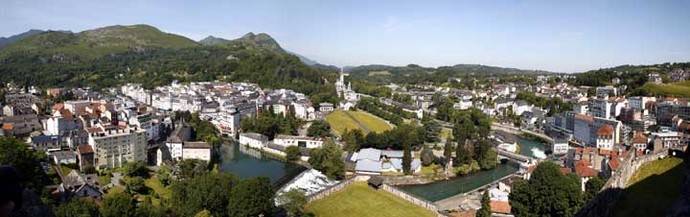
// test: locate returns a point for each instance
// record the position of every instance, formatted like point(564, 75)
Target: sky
point(560, 36)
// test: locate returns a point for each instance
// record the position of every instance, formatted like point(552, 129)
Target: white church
point(350, 96)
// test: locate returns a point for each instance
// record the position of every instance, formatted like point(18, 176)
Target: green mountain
point(97, 42)
point(212, 41)
point(114, 55)
point(413, 73)
point(4, 42)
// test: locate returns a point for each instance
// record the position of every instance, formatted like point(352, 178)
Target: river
point(532, 148)
point(440, 190)
point(249, 163)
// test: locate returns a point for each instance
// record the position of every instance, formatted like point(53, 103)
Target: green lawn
point(349, 120)
point(360, 200)
point(652, 189)
point(678, 89)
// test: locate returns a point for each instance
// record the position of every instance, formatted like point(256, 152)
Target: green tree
point(353, 139)
point(135, 185)
point(319, 128)
point(118, 205)
point(292, 153)
point(164, 175)
point(448, 151)
point(137, 168)
point(27, 161)
point(191, 168)
point(462, 155)
point(76, 207)
point(407, 159)
point(427, 156)
point(251, 197)
point(547, 193)
point(294, 202)
point(432, 130)
point(209, 191)
point(327, 159)
point(203, 213)
point(592, 187)
point(485, 211)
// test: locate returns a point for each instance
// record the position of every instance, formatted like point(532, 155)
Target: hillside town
point(594, 133)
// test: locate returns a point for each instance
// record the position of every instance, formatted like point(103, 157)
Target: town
point(97, 140)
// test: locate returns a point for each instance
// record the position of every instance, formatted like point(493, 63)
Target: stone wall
point(411, 198)
point(602, 204)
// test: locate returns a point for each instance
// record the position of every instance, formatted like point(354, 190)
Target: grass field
point(652, 189)
point(678, 89)
point(349, 120)
point(360, 200)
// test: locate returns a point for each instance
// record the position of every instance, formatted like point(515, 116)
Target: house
point(300, 141)
point(85, 156)
point(605, 137)
point(45, 143)
point(196, 150)
point(560, 147)
point(639, 141)
point(655, 78)
point(665, 139)
point(63, 157)
point(76, 185)
point(326, 107)
point(179, 147)
point(253, 140)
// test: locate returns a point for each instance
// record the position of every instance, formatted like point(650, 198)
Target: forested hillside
point(115, 55)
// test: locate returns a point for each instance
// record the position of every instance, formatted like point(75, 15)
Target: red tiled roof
point(565, 170)
point(606, 130)
point(85, 149)
point(500, 207)
point(639, 138)
point(582, 169)
point(7, 126)
point(584, 117)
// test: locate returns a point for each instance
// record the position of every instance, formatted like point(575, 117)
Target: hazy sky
point(564, 36)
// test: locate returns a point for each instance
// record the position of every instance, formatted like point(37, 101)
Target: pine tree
point(407, 159)
point(485, 211)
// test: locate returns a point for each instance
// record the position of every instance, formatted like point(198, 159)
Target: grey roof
point(392, 153)
point(370, 154)
point(368, 166)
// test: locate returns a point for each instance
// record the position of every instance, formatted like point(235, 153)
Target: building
point(655, 78)
point(560, 147)
point(114, 147)
point(63, 157)
point(85, 156)
point(605, 137)
point(300, 141)
point(600, 107)
point(665, 139)
point(326, 107)
point(253, 140)
point(196, 150)
point(639, 141)
point(370, 161)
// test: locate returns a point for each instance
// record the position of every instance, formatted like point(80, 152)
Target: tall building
point(114, 147)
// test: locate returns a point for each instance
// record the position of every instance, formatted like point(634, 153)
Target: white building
point(605, 137)
point(560, 147)
point(253, 140)
point(196, 150)
point(300, 141)
point(114, 147)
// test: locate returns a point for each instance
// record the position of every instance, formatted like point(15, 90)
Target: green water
point(440, 190)
point(526, 146)
point(249, 165)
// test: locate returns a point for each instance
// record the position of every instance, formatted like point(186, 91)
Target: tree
point(448, 151)
point(209, 191)
point(77, 208)
point(427, 156)
point(164, 175)
point(462, 155)
point(118, 205)
point(327, 159)
point(431, 131)
point(485, 211)
point(292, 153)
point(547, 193)
point(407, 160)
point(191, 168)
point(319, 128)
point(592, 187)
point(135, 185)
point(203, 213)
point(251, 197)
point(27, 161)
point(137, 168)
point(294, 202)
point(353, 139)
